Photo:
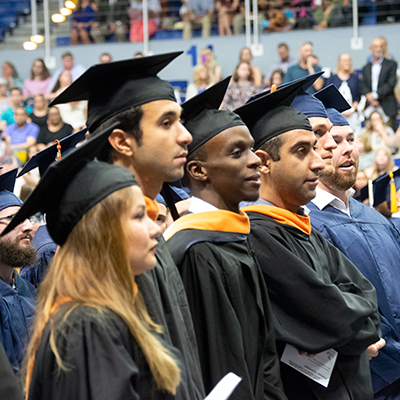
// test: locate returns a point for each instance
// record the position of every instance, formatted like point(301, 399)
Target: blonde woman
point(201, 81)
point(93, 338)
point(207, 58)
point(383, 163)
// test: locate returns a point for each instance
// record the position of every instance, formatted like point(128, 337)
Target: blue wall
point(328, 44)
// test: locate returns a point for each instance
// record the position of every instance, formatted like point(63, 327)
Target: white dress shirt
point(376, 70)
point(197, 206)
point(324, 198)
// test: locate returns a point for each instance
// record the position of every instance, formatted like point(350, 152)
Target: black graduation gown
point(165, 298)
point(230, 310)
point(10, 388)
point(321, 301)
point(102, 357)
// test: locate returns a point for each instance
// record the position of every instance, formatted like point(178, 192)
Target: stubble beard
point(340, 180)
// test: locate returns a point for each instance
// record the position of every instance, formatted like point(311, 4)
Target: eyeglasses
point(8, 219)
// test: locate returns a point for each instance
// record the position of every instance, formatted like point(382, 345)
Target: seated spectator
point(303, 14)
point(17, 296)
point(361, 181)
point(378, 132)
point(367, 156)
point(74, 114)
point(322, 14)
point(39, 79)
point(383, 163)
point(82, 20)
point(112, 20)
point(68, 64)
point(276, 77)
point(207, 58)
point(136, 16)
point(278, 21)
point(285, 61)
point(63, 81)
point(241, 88)
point(40, 110)
point(226, 11)
point(21, 134)
point(105, 58)
point(4, 99)
point(197, 12)
point(55, 129)
point(7, 117)
point(348, 83)
point(307, 65)
point(246, 55)
point(10, 74)
point(201, 81)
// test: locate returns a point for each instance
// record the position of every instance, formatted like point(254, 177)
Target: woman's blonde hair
point(92, 268)
point(196, 75)
point(377, 172)
point(338, 65)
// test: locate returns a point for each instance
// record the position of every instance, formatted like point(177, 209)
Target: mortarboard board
point(307, 82)
point(332, 98)
point(117, 86)
point(203, 119)
point(381, 189)
point(44, 158)
point(336, 118)
point(72, 186)
point(7, 197)
point(270, 115)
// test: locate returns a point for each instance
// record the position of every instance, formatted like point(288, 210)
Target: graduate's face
point(232, 167)
point(16, 249)
point(294, 177)
point(345, 160)
point(161, 155)
point(142, 236)
point(325, 143)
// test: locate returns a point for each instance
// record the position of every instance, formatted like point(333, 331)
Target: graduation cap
point(332, 98)
point(72, 186)
point(306, 84)
point(270, 115)
point(44, 158)
point(203, 119)
point(7, 183)
point(383, 189)
point(117, 86)
point(336, 118)
point(309, 105)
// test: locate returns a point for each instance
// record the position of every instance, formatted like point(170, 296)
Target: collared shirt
point(375, 72)
point(324, 198)
point(303, 210)
point(198, 205)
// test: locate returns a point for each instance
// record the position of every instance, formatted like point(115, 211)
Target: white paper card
point(318, 368)
point(224, 387)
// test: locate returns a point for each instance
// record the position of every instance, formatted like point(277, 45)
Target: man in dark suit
point(379, 80)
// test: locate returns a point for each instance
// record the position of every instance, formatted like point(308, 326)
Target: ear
point(196, 170)
point(266, 161)
point(122, 142)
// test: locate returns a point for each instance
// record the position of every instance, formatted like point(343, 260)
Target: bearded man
point(370, 241)
point(17, 296)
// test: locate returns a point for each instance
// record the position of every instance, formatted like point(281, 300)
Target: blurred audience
point(201, 81)
point(378, 132)
point(246, 55)
point(378, 82)
point(383, 163)
point(63, 81)
point(10, 74)
point(226, 9)
point(112, 21)
point(307, 65)
point(55, 128)
point(276, 78)
point(241, 88)
point(196, 12)
point(40, 110)
point(83, 19)
point(4, 99)
point(207, 58)
point(348, 83)
point(136, 19)
point(68, 64)
point(105, 58)
point(16, 100)
point(367, 156)
point(39, 79)
point(74, 114)
point(285, 61)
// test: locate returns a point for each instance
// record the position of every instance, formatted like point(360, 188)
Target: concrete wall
point(328, 44)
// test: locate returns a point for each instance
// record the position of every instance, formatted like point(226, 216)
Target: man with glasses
point(17, 296)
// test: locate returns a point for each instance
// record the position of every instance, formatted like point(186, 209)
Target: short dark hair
point(129, 121)
point(67, 54)
point(16, 88)
point(272, 147)
point(283, 45)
